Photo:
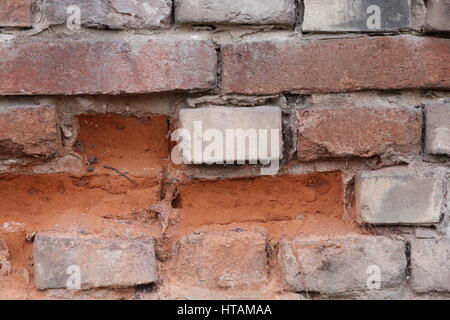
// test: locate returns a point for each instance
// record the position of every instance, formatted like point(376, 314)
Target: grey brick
point(438, 16)
point(438, 129)
point(343, 265)
point(235, 12)
point(401, 196)
point(113, 14)
point(430, 263)
point(101, 262)
point(352, 16)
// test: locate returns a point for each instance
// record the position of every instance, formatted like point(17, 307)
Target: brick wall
point(119, 179)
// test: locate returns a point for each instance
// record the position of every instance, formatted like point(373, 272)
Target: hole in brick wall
point(176, 202)
point(95, 201)
point(262, 199)
point(43, 200)
point(309, 294)
point(137, 146)
point(146, 288)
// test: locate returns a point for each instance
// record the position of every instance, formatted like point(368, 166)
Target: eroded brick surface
point(106, 67)
point(229, 259)
point(100, 262)
point(235, 11)
point(339, 266)
point(401, 196)
point(268, 67)
point(15, 13)
point(358, 132)
point(29, 130)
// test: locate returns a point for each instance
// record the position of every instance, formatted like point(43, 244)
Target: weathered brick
point(430, 269)
point(333, 132)
point(261, 121)
point(106, 67)
point(5, 265)
point(113, 14)
point(15, 13)
point(438, 129)
point(356, 16)
point(334, 65)
point(343, 265)
point(438, 16)
point(231, 259)
point(400, 196)
point(29, 130)
point(235, 11)
point(101, 262)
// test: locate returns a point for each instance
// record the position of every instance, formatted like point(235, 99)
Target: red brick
point(15, 13)
point(106, 67)
point(228, 259)
point(269, 67)
point(29, 131)
point(358, 132)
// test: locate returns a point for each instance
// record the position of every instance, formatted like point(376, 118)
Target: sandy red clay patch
point(261, 199)
point(138, 146)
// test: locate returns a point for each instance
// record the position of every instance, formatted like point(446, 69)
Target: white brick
point(344, 265)
point(400, 196)
point(438, 129)
point(265, 121)
point(351, 15)
point(235, 11)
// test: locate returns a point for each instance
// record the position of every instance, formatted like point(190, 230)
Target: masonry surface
point(97, 203)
